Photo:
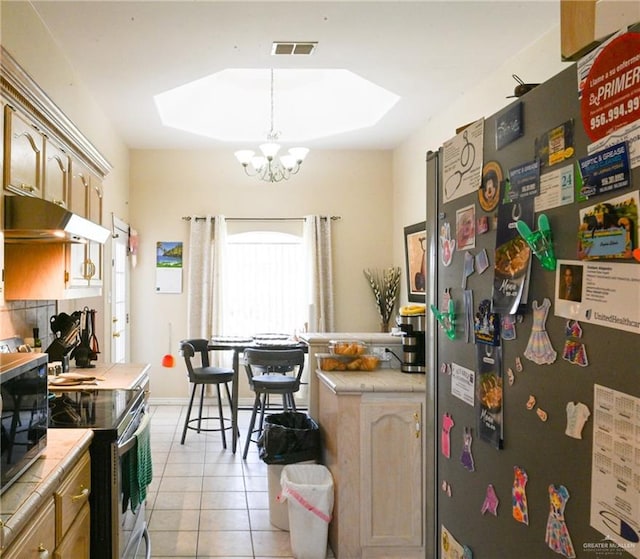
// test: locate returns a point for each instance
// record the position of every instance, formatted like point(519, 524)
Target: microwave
point(24, 411)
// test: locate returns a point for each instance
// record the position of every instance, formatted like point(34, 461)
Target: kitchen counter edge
point(38, 483)
point(383, 380)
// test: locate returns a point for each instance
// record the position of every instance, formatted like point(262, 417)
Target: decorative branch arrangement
point(385, 284)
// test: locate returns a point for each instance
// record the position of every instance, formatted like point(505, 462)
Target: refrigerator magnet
point(491, 501)
point(557, 534)
point(447, 244)
point(466, 458)
point(520, 510)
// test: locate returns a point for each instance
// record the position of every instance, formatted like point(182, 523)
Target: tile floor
point(205, 501)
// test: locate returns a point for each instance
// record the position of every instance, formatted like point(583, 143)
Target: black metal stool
point(267, 373)
point(202, 376)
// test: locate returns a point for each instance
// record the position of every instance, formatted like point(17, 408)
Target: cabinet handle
point(43, 552)
point(416, 418)
point(60, 203)
point(84, 493)
point(27, 187)
point(115, 335)
point(89, 269)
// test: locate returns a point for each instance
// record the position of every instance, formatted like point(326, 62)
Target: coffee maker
point(413, 342)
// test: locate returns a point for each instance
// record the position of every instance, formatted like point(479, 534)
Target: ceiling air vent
point(291, 47)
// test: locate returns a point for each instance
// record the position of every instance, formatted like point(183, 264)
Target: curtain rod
point(331, 217)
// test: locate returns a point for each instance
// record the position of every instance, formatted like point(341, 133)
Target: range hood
point(33, 219)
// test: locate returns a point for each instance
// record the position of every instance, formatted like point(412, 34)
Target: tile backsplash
point(19, 318)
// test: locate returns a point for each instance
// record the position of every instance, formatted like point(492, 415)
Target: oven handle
point(127, 445)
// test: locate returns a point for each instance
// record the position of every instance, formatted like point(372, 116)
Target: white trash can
point(278, 508)
point(308, 488)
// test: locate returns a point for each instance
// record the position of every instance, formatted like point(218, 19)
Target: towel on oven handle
point(137, 471)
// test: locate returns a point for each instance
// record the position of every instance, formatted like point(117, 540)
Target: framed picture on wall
point(415, 245)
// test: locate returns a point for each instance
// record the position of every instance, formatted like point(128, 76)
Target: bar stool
point(201, 377)
point(267, 372)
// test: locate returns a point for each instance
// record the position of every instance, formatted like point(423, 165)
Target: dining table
point(238, 344)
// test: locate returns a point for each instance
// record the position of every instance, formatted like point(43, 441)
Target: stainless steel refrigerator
point(536, 405)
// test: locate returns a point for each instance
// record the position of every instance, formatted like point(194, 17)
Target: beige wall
point(167, 185)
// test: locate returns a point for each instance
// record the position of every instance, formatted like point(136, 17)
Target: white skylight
point(234, 105)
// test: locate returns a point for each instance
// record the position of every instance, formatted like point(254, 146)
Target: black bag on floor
point(288, 438)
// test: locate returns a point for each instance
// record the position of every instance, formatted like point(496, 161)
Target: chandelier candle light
point(384, 284)
point(266, 167)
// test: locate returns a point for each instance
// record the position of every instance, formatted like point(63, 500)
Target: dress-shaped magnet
point(445, 440)
point(520, 509)
point(491, 501)
point(574, 350)
point(466, 458)
point(539, 349)
point(557, 534)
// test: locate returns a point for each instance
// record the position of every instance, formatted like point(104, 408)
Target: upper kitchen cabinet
point(23, 152)
point(80, 188)
point(57, 165)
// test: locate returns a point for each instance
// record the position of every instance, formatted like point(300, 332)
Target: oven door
point(129, 526)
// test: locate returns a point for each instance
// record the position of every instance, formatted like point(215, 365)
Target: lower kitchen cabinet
point(39, 538)
point(391, 466)
point(60, 528)
point(76, 542)
point(373, 445)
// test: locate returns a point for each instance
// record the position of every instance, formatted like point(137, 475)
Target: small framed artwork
point(415, 244)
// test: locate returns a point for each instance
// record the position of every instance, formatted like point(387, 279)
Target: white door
point(120, 293)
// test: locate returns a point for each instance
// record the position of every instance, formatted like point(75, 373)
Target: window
point(265, 283)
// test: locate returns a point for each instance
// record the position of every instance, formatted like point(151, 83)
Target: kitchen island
point(373, 443)
point(53, 491)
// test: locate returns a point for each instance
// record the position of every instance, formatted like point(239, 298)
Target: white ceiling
point(427, 52)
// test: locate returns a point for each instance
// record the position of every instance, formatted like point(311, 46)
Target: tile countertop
point(376, 338)
point(382, 380)
point(19, 503)
point(113, 376)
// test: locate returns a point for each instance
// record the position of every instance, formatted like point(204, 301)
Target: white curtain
point(207, 240)
point(317, 238)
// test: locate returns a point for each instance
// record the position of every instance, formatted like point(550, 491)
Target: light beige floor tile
point(223, 469)
point(259, 519)
point(181, 483)
point(272, 544)
point(188, 469)
point(174, 520)
point(177, 500)
point(256, 483)
point(224, 520)
point(224, 500)
point(223, 544)
point(258, 500)
point(223, 483)
point(185, 457)
point(174, 544)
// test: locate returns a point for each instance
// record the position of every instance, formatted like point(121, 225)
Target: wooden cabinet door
point(38, 539)
point(56, 174)
point(24, 145)
point(95, 250)
point(391, 472)
point(77, 542)
point(79, 189)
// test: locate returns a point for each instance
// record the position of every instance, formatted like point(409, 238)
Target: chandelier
point(267, 166)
